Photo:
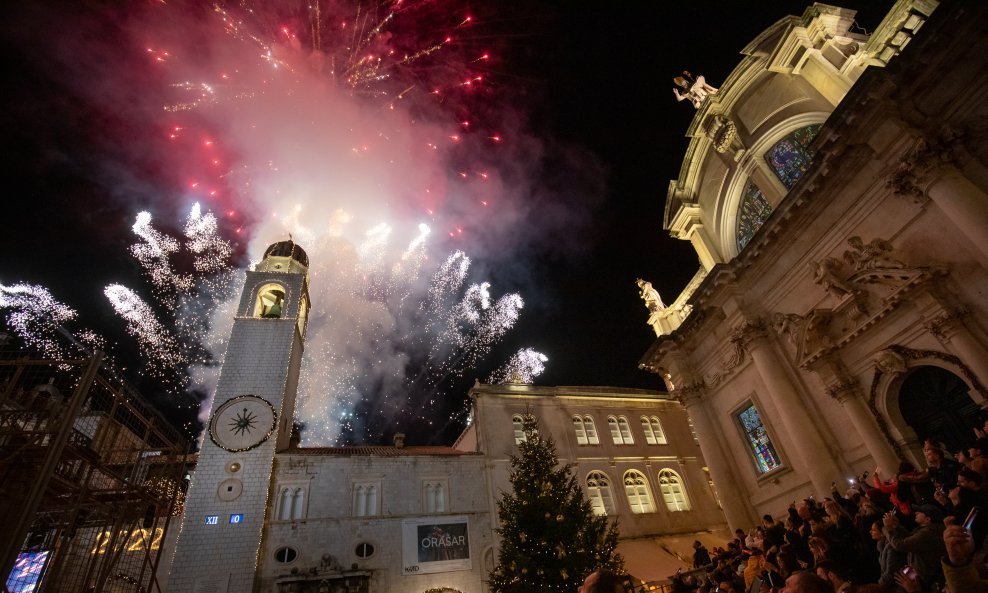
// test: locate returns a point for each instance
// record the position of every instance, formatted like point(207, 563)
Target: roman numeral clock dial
point(242, 423)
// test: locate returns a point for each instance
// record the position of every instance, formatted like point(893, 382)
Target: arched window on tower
point(753, 211)
point(270, 301)
point(673, 492)
point(790, 157)
point(365, 503)
point(638, 493)
point(600, 494)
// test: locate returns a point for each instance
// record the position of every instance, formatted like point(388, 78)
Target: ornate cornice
point(843, 389)
point(915, 170)
point(690, 394)
point(749, 332)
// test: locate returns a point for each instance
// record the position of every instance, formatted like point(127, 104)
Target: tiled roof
point(379, 451)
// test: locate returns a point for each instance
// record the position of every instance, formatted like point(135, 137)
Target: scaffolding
point(91, 477)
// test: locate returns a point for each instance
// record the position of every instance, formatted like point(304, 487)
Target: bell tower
point(250, 419)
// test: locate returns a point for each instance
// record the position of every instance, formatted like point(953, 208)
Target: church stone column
point(927, 172)
point(808, 448)
point(848, 394)
point(734, 499)
point(950, 329)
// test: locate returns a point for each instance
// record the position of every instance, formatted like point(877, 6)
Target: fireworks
point(321, 120)
point(35, 315)
point(523, 367)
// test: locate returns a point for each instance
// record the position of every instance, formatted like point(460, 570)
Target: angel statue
point(696, 89)
point(873, 256)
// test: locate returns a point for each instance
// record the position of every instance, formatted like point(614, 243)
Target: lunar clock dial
point(242, 423)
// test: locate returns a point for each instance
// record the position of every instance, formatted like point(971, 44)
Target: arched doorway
point(936, 404)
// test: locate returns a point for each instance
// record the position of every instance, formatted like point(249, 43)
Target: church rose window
point(790, 157)
point(753, 211)
point(761, 445)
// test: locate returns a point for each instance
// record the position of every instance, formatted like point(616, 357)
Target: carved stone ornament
point(690, 394)
point(788, 326)
point(890, 362)
point(942, 324)
point(826, 273)
point(873, 256)
point(748, 332)
point(722, 132)
point(843, 389)
point(731, 362)
point(914, 170)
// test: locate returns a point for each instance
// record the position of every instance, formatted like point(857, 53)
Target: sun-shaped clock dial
point(243, 422)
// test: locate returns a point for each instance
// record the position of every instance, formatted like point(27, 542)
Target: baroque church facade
point(835, 189)
point(264, 514)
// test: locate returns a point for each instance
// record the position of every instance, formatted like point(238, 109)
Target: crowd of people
point(918, 531)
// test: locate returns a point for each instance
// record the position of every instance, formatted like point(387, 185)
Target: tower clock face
point(242, 423)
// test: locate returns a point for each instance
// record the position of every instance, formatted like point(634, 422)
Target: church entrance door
point(935, 403)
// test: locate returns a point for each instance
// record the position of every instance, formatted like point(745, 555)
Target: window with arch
point(366, 499)
point(654, 435)
point(592, 437)
point(600, 494)
point(673, 491)
point(518, 425)
point(586, 432)
point(638, 493)
point(753, 211)
point(620, 430)
point(270, 301)
point(435, 495)
point(760, 444)
point(291, 503)
point(790, 157)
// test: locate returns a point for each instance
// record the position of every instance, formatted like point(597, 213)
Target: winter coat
point(924, 547)
point(891, 561)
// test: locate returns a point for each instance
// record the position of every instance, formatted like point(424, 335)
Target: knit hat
point(932, 511)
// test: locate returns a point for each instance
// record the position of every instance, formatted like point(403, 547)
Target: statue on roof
point(695, 89)
point(653, 302)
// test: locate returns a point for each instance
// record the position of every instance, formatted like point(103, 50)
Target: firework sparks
point(157, 343)
point(35, 315)
point(522, 367)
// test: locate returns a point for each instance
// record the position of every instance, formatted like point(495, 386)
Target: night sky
point(593, 81)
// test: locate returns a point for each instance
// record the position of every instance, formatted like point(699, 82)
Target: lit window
point(653, 430)
point(366, 500)
point(673, 493)
point(591, 430)
point(638, 493)
point(291, 503)
point(270, 301)
point(625, 430)
point(434, 492)
point(753, 211)
point(599, 493)
point(791, 156)
point(615, 431)
point(581, 430)
point(518, 424)
point(762, 449)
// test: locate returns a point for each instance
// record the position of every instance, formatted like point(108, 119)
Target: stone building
point(263, 514)
point(633, 452)
point(835, 191)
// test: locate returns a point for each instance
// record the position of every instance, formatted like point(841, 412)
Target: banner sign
point(435, 545)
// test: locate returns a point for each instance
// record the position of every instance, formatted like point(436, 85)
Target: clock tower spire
point(250, 419)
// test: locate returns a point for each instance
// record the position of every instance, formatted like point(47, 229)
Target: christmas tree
point(550, 537)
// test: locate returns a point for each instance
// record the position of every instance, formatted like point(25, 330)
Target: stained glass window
point(790, 157)
point(753, 211)
point(761, 445)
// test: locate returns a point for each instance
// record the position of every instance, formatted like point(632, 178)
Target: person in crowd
point(940, 471)
point(837, 575)
point(978, 454)
point(602, 581)
point(899, 488)
point(890, 560)
point(958, 566)
point(924, 545)
point(775, 532)
point(701, 557)
point(753, 568)
point(807, 582)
